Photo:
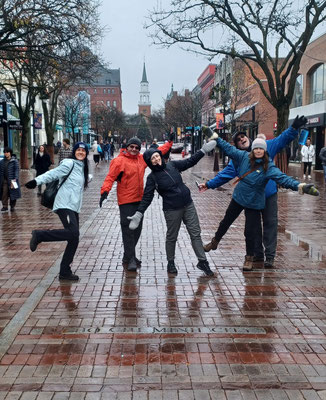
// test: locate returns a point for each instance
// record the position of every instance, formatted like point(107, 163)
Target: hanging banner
point(219, 120)
point(37, 121)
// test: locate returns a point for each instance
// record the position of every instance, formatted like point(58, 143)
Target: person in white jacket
point(308, 154)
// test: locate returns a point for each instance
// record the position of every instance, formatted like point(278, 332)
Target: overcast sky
point(126, 45)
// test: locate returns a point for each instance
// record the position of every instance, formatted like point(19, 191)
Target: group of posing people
point(256, 193)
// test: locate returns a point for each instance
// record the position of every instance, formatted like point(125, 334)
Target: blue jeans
point(324, 166)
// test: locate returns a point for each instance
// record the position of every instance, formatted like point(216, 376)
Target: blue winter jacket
point(249, 192)
point(274, 146)
point(70, 194)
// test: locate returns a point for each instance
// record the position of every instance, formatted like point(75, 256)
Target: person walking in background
point(255, 170)
point(65, 150)
point(154, 144)
point(266, 245)
point(9, 180)
point(42, 164)
point(177, 203)
point(128, 170)
point(96, 154)
point(67, 205)
point(112, 148)
point(101, 144)
point(322, 156)
point(308, 154)
point(106, 150)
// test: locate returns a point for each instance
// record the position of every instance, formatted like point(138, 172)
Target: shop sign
point(314, 120)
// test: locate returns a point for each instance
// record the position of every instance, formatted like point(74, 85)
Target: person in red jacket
point(128, 170)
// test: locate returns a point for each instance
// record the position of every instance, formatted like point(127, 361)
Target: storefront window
point(297, 96)
point(318, 84)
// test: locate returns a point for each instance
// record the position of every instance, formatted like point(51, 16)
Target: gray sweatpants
point(187, 215)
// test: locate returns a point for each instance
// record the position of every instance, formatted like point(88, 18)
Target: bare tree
point(183, 110)
point(271, 34)
point(106, 119)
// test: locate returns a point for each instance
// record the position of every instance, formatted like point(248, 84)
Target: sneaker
point(4, 209)
point(68, 277)
point(204, 266)
point(269, 263)
point(138, 262)
point(12, 209)
point(33, 242)
point(309, 176)
point(171, 268)
point(212, 245)
point(304, 176)
point(132, 265)
point(247, 265)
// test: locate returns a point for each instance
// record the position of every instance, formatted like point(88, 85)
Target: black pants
point(129, 237)
point(70, 233)
point(252, 227)
point(307, 165)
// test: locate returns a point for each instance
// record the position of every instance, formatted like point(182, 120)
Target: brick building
point(236, 91)
point(310, 93)
point(105, 89)
point(206, 82)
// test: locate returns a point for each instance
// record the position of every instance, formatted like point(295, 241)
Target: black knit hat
point(134, 140)
point(235, 135)
point(80, 145)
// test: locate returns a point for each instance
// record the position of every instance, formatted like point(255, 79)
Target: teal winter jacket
point(249, 192)
point(70, 194)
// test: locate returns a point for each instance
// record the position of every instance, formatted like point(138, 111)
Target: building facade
point(310, 94)
point(206, 82)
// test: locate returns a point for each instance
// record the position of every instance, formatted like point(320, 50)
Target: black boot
point(172, 269)
point(33, 242)
point(204, 266)
point(66, 274)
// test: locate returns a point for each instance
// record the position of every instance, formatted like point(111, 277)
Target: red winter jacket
point(128, 171)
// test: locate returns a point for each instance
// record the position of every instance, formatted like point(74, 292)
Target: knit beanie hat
point(81, 145)
point(259, 144)
point(134, 140)
point(235, 135)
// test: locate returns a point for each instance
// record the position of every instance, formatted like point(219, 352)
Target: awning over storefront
point(238, 113)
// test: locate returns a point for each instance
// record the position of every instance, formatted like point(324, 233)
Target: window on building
point(94, 90)
point(108, 103)
point(109, 91)
point(318, 84)
point(297, 96)
point(108, 81)
point(112, 91)
point(114, 103)
point(104, 91)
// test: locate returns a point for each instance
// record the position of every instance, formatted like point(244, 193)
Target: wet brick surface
point(125, 335)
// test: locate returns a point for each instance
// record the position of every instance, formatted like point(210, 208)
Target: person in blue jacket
point(67, 205)
point(255, 169)
point(267, 239)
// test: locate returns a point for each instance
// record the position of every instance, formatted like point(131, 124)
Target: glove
point(104, 196)
point(171, 137)
point(31, 184)
point(299, 122)
point(135, 220)
point(209, 146)
point(308, 188)
point(207, 131)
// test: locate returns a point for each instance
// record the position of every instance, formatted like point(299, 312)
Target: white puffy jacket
point(308, 153)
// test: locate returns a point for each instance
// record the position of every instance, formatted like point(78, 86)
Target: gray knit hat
point(134, 140)
point(259, 144)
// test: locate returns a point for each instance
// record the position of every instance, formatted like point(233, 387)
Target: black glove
point(171, 137)
point(104, 196)
point(31, 184)
point(310, 188)
point(299, 122)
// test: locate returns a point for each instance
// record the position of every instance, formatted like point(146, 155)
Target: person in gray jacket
point(67, 205)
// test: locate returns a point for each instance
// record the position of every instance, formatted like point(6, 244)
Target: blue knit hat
point(81, 145)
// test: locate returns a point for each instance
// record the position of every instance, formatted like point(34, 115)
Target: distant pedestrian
point(101, 144)
point(322, 156)
point(65, 150)
point(42, 164)
point(112, 148)
point(178, 206)
point(308, 154)
point(154, 144)
point(9, 180)
point(96, 153)
point(67, 205)
point(106, 151)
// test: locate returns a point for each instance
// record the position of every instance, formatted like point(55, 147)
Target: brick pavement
point(123, 335)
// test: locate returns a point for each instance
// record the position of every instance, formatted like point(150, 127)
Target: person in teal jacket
point(67, 205)
point(255, 170)
point(267, 240)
